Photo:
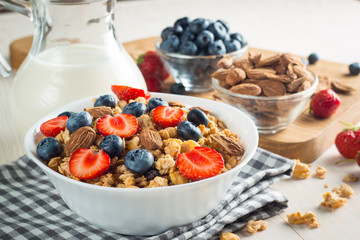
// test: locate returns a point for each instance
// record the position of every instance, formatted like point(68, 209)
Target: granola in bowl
point(139, 142)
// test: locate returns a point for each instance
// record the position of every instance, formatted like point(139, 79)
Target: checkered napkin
point(30, 207)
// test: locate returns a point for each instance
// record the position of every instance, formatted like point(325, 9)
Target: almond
point(244, 64)
point(176, 104)
point(303, 72)
point(259, 73)
point(269, 61)
point(150, 139)
point(235, 76)
point(254, 57)
point(341, 87)
point(293, 86)
point(273, 88)
point(81, 138)
point(205, 110)
point(99, 112)
point(305, 85)
point(246, 89)
point(221, 74)
point(280, 78)
point(227, 145)
point(225, 62)
point(287, 58)
point(324, 83)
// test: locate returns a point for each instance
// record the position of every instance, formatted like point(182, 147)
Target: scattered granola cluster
point(301, 170)
point(255, 226)
point(321, 172)
point(228, 236)
point(307, 218)
point(350, 178)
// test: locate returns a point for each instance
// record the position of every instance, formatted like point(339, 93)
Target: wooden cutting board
point(305, 139)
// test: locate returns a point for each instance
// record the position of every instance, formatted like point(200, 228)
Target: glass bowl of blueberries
point(190, 50)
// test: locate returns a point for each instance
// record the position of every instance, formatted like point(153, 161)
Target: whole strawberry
point(325, 103)
point(348, 141)
point(151, 65)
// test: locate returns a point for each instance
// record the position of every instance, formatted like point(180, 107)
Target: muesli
point(138, 142)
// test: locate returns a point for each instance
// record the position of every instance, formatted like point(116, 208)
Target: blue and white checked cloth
point(30, 207)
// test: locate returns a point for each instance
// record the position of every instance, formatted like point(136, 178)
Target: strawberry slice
point(200, 163)
point(54, 126)
point(166, 116)
point(127, 93)
point(124, 125)
point(87, 163)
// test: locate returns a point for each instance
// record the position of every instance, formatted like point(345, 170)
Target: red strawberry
point(348, 141)
point(123, 125)
point(325, 103)
point(127, 93)
point(151, 65)
point(166, 116)
point(87, 163)
point(153, 84)
point(200, 163)
point(54, 126)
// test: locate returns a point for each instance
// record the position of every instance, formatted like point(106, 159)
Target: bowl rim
point(239, 52)
point(29, 139)
point(309, 90)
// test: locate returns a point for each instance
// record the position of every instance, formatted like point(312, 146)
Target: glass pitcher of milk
point(74, 54)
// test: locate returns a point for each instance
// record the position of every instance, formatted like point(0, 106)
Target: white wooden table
point(330, 28)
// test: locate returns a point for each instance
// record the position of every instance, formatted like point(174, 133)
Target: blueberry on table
point(112, 145)
point(78, 120)
point(198, 25)
point(218, 30)
point(135, 108)
point(197, 117)
point(66, 113)
point(155, 102)
point(204, 39)
point(188, 48)
point(105, 100)
point(188, 131)
point(225, 24)
point(171, 44)
point(354, 68)
point(177, 88)
point(48, 148)
point(139, 160)
point(232, 45)
point(217, 48)
point(183, 22)
point(313, 58)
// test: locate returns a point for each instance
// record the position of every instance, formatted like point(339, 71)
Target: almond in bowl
point(271, 90)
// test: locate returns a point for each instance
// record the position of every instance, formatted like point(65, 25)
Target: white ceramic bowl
point(152, 210)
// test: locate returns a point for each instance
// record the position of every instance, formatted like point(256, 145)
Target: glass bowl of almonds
point(272, 91)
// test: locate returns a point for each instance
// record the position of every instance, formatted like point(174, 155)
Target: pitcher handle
point(19, 6)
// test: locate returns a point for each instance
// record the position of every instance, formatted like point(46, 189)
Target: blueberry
point(105, 100)
point(112, 145)
point(218, 30)
point(204, 39)
point(198, 25)
point(188, 48)
point(354, 68)
point(67, 113)
point(155, 102)
point(188, 131)
point(166, 32)
point(48, 148)
point(197, 117)
point(151, 174)
point(225, 24)
point(171, 44)
point(217, 48)
point(139, 160)
point(178, 30)
point(232, 46)
point(313, 58)
point(183, 22)
point(187, 36)
point(239, 37)
point(135, 108)
point(177, 88)
point(78, 120)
